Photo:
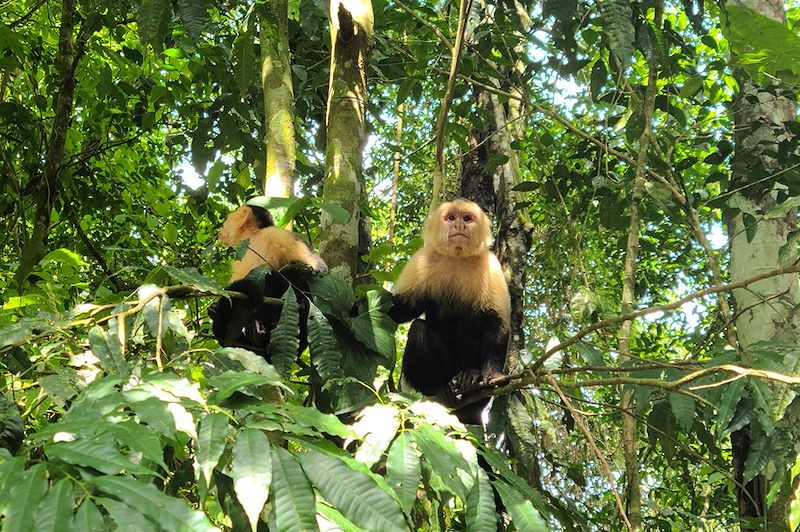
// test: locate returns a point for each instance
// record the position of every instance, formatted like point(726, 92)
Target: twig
point(438, 169)
point(783, 270)
point(581, 422)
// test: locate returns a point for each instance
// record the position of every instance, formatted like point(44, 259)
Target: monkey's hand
point(469, 380)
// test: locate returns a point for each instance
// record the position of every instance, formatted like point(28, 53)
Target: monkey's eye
point(467, 218)
point(450, 217)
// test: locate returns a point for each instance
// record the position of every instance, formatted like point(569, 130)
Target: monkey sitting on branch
point(248, 322)
point(458, 283)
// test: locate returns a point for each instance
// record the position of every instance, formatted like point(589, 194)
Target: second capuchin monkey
point(462, 342)
point(248, 323)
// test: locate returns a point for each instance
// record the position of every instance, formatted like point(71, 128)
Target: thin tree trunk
point(438, 167)
point(630, 426)
point(343, 187)
point(47, 187)
point(276, 82)
point(395, 180)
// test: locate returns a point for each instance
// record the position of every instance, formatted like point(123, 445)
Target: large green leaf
point(251, 469)
point(88, 518)
point(618, 26)
point(403, 471)
point(169, 512)
point(99, 454)
point(325, 353)
point(292, 496)
point(441, 453)
point(154, 17)
point(105, 346)
point(284, 343)
point(56, 507)
point(523, 514)
point(683, 408)
point(763, 45)
point(209, 445)
point(353, 493)
point(481, 511)
point(28, 491)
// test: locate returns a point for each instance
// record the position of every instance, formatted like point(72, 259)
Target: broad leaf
point(292, 496)
point(353, 493)
point(251, 470)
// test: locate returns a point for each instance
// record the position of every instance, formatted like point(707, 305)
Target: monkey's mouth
point(459, 235)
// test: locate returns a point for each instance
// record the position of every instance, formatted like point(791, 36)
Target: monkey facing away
point(459, 284)
point(248, 322)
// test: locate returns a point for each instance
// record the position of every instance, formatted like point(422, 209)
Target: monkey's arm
point(405, 308)
point(495, 347)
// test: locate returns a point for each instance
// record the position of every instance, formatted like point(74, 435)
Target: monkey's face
point(233, 229)
point(458, 228)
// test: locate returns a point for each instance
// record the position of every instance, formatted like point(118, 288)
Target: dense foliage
point(128, 130)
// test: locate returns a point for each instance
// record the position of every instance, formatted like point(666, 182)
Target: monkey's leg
point(426, 363)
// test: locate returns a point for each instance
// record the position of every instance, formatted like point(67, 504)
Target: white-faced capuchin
point(248, 322)
point(458, 283)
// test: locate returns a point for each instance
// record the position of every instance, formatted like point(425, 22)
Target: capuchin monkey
point(248, 322)
point(462, 342)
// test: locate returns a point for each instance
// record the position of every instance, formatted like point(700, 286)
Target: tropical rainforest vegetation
point(639, 160)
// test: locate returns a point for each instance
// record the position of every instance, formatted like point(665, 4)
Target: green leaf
point(332, 295)
point(251, 469)
point(523, 514)
point(335, 516)
point(88, 518)
point(501, 467)
point(353, 493)
point(153, 20)
point(761, 45)
point(403, 471)
point(169, 512)
point(138, 438)
point(619, 31)
point(726, 408)
point(481, 511)
point(56, 508)
point(209, 445)
point(127, 517)
point(105, 346)
point(293, 499)
point(683, 408)
point(691, 86)
point(195, 279)
point(442, 455)
point(758, 457)
point(99, 454)
point(325, 353)
point(284, 342)
point(66, 256)
point(376, 426)
point(194, 17)
point(246, 63)
point(233, 381)
point(339, 214)
point(28, 491)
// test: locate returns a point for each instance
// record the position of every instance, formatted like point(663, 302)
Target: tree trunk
point(46, 189)
point(492, 191)
point(276, 81)
point(351, 42)
point(765, 310)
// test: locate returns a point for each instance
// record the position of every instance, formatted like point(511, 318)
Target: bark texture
point(351, 39)
point(766, 309)
point(46, 183)
point(276, 82)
